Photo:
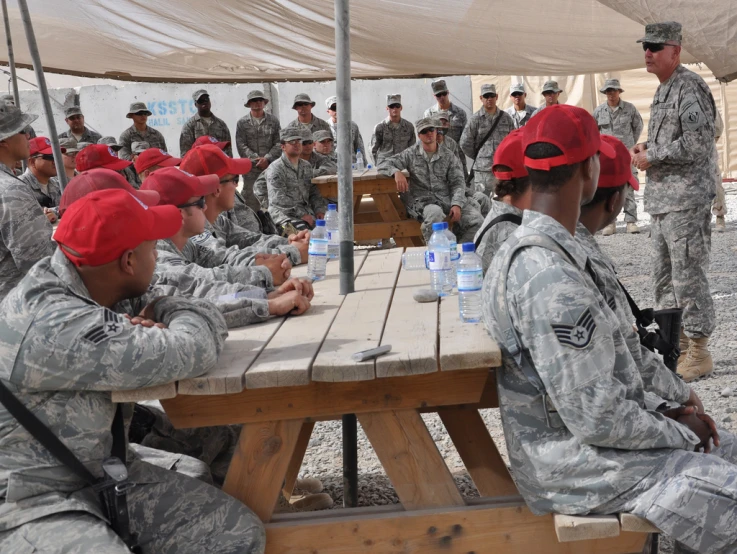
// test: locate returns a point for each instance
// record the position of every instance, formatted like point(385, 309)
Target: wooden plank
point(464, 345)
point(636, 524)
point(578, 528)
point(358, 176)
point(481, 529)
point(478, 451)
point(360, 321)
point(411, 459)
point(319, 400)
point(300, 448)
point(286, 360)
point(259, 464)
point(395, 229)
point(411, 329)
point(159, 392)
point(390, 214)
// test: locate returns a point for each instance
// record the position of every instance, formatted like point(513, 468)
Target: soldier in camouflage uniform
point(69, 155)
point(40, 177)
point(152, 159)
point(139, 131)
point(321, 165)
point(77, 129)
point(66, 346)
point(551, 92)
point(622, 120)
point(570, 392)
point(129, 172)
point(356, 138)
point(520, 110)
point(474, 133)
point(436, 190)
point(680, 158)
point(394, 134)
point(303, 104)
point(324, 145)
point(458, 116)
point(203, 124)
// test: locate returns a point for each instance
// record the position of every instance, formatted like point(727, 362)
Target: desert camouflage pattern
point(480, 124)
point(196, 127)
point(458, 120)
point(390, 139)
point(131, 135)
point(291, 194)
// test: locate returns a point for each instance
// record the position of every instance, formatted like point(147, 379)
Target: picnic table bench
point(279, 377)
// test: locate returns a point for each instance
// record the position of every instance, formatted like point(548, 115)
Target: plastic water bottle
point(331, 224)
point(438, 261)
point(454, 254)
point(470, 280)
point(414, 260)
point(317, 252)
point(359, 161)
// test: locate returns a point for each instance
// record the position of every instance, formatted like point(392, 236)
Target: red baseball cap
point(570, 128)
point(106, 223)
point(101, 179)
point(176, 186)
point(510, 153)
point(203, 140)
point(616, 170)
point(203, 160)
point(41, 146)
point(100, 155)
point(155, 156)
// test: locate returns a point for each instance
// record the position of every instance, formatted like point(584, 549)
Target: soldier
point(152, 159)
point(458, 116)
point(442, 120)
point(292, 197)
point(551, 93)
point(569, 381)
point(77, 129)
point(303, 105)
point(719, 205)
point(40, 177)
point(203, 123)
point(356, 138)
point(436, 190)
point(520, 110)
point(25, 232)
point(139, 131)
point(681, 162)
point(394, 134)
point(324, 145)
point(106, 256)
point(10, 99)
point(70, 149)
point(478, 144)
point(128, 172)
point(622, 120)
point(321, 165)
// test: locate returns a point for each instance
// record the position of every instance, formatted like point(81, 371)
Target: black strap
point(511, 218)
point(644, 317)
point(486, 137)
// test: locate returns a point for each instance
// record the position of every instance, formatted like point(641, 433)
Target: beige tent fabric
point(249, 40)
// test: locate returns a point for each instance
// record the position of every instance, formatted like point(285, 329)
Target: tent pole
point(38, 69)
point(11, 55)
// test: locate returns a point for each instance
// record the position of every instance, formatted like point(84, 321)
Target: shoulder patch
point(576, 336)
point(202, 238)
point(693, 118)
point(110, 326)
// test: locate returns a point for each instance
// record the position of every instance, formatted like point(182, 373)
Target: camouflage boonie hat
point(439, 86)
point(290, 133)
point(13, 120)
point(72, 110)
point(305, 135)
point(319, 136)
point(393, 99)
point(136, 108)
point(551, 86)
point(138, 147)
point(302, 97)
point(330, 101)
point(70, 144)
point(83, 145)
point(256, 95)
point(196, 95)
point(424, 123)
point(668, 32)
point(611, 83)
point(517, 87)
point(112, 142)
point(488, 88)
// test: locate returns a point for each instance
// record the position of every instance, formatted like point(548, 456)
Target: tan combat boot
point(609, 230)
point(721, 224)
point(683, 344)
point(698, 362)
point(632, 228)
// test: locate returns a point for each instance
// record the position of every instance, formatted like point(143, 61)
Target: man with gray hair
point(551, 92)
point(139, 131)
point(77, 129)
point(356, 139)
point(303, 105)
point(458, 117)
point(622, 120)
point(520, 110)
point(203, 124)
point(394, 134)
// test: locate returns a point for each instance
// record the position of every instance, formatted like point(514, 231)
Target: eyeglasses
point(300, 104)
point(294, 142)
point(654, 47)
point(394, 106)
point(489, 95)
point(306, 142)
point(233, 180)
point(517, 94)
point(441, 94)
point(200, 203)
point(47, 157)
point(428, 130)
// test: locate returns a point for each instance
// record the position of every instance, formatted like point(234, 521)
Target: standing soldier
point(458, 117)
point(680, 159)
point(622, 120)
point(486, 130)
point(139, 131)
point(303, 105)
point(203, 124)
point(394, 134)
point(356, 138)
point(520, 110)
point(77, 129)
point(551, 93)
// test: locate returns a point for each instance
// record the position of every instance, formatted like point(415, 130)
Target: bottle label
point(454, 254)
point(318, 247)
point(438, 260)
point(334, 237)
point(470, 281)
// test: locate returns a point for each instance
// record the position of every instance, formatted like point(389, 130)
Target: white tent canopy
point(245, 40)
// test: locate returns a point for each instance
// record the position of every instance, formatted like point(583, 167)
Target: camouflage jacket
point(521, 118)
point(452, 145)
point(389, 139)
point(458, 120)
point(439, 181)
point(88, 136)
point(48, 199)
point(228, 234)
point(580, 436)
point(476, 130)
point(291, 192)
point(680, 145)
point(356, 141)
point(254, 140)
point(316, 124)
point(495, 237)
point(24, 229)
point(242, 215)
point(196, 127)
point(322, 164)
point(131, 135)
point(62, 354)
point(624, 123)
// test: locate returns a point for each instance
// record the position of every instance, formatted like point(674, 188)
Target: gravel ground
point(633, 256)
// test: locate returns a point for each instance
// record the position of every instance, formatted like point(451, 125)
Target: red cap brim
point(607, 150)
point(208, 184)
point(117, 165)
point(634, 182)
point(239, 166)
point(223, 145)
point(148, 197)
point(165, 223)
point(170, 162)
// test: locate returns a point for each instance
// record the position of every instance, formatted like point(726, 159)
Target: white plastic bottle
point(317, 253)
point(470, 281)
point(454, 254)
point(360, 166)
point(438, 261)
point(331, 225)
point(416, 259)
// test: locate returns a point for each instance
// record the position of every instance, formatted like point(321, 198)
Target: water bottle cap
point(369, 166)
point(444, 224)
point(468, 247)
point(437, 226)
point(332, 207)
point(320, 223)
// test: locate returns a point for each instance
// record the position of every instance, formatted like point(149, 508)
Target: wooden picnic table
point(279, 377)
point(378, 212)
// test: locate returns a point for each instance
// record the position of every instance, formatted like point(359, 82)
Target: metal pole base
point(350, 461)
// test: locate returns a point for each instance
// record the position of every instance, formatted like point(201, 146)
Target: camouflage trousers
point(484, 181)
point(682, 245)
point(630, 206)
point(484, 202)
point(465, 229)
point(691, 498)
point(169, 513)
point(247, 191)
point(719, 204)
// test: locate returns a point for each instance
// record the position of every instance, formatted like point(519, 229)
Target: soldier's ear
point(127, 263)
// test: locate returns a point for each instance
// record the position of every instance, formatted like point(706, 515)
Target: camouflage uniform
point(229, 234)
point(322, 164)
point(62, 360)
point(495, 237)
point(356, 140)
point(625, 123)
point(719, 205)
point(316, 124)
point(243, 215)
point(435, 186)
point(678, 195)
point(257, 138)
point(390, 139)
point(48, 199)
point(131, 135)
point(470, 142)
point(291, 193)
point(483, 200)
point(458, 119)
point(88, 136)
point(196, 126)
point(518, 119)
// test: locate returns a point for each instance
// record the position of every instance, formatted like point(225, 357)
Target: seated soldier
point(324, 145)
point(40, 176)
point(569, 384)
point(292, 197)
point(321, 165)
point(70, 149)
point(65, 347)
point(152, 159)
point(436, 190)
point(100, 155)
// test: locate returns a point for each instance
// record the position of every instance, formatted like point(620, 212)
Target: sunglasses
point(300, 104)
point(74, 117)
point(233, 180)
point(394, 106)
point(489, 95)
point(203, 100)
point(517, 94)
point(333, 108)
point(653, 47)
point(47, 157)
point(428, 130)
point(441, 94)
point(200, 203)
